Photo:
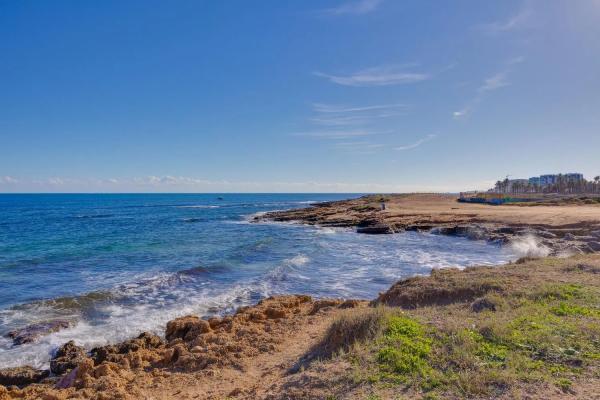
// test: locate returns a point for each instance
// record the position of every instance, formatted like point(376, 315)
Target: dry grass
point(523, 330)
point(352, 327)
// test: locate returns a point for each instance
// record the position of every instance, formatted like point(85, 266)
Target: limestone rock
point(21, 376)
point(67, 357)
point(186, 328)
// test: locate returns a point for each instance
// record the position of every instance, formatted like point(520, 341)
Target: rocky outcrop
point(67, 357)
point(32, 332)
point(374, 227)
point(186, 328)
point(364, 215)
point(113, 353)
point(193, 345)
point(21, 376)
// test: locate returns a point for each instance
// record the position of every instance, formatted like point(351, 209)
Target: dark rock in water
point(67, 357)
point(373, 227)
point(483, 304)
point(594, 246)
point(375, 230)
point(32, 332)
point(109, 353)
point(22, 376)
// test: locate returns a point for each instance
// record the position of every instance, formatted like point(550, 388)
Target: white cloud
point(333, 108)
point(517, 21)
point(416, 144)
point(494, 82)
point(356, 7)
point(461, 113)
point(377, 76)
point(339, 115)
point(7, 180)
point(336, 134)
point(186, 184)
point(359, 147)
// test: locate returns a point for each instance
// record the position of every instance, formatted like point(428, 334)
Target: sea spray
point(529, 246)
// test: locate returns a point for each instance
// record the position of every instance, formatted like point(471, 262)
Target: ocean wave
point(298, 260)
point(94, 216)
point(192, 220)
point(198, 206)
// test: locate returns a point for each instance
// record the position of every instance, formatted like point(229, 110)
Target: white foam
point(529, 246)
point(298, 260)
point(198, 206)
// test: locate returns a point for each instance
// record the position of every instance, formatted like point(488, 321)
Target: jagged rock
point(483, 304)
point(318, 305)
point(32, 332)
point(21, 376)
point(594, 246)
point(373, 226)
point(273, 313)
point(67, 357)
point(569, 236)
point(349, 304)
point(186, 328)
point(145, 340)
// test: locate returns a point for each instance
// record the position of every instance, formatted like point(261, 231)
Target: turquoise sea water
point(116, 265)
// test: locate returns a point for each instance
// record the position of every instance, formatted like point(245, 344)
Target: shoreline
point(193, 345)
point(563, 229)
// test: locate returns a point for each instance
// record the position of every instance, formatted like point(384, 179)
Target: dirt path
point(262, 376)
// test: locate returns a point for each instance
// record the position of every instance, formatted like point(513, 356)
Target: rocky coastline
point(285, 332)
point(366, 216)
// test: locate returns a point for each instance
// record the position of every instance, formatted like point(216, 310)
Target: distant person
point(382, 205)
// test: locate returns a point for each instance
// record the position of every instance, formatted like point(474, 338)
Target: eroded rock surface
point(32, 332)
point(67, 357)
point(21, 376)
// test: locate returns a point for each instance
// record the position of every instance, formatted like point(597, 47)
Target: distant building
point(546, 180)
point(541, 183)
point(574, 177)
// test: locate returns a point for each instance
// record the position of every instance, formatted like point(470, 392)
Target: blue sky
point(295, 96)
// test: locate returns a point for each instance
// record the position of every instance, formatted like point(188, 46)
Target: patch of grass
point(405, 348)
point(559, 292)
point(566, 309)
point(565, 384)
point(543, 332)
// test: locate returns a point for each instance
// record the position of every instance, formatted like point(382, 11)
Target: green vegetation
point(543, 334)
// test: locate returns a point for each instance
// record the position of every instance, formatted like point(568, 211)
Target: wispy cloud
point(336, 134)
point(359, 147)
point(516, 21)
point(340, 115)
point(377, 76)
point(7, 180)
point(494, 82)
point(417, 143)
point(186, 184)
point(336, 108)
point(357, 7)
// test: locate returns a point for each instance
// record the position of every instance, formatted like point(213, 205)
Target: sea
point(115, 265)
